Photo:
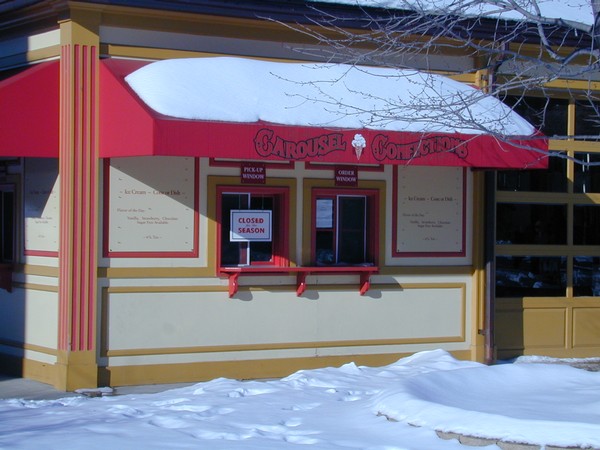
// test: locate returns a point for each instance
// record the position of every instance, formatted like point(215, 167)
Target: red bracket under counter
point(365, 272)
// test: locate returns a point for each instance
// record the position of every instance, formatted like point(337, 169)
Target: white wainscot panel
point(420, 313)
point(31, 317)
point(154, 321)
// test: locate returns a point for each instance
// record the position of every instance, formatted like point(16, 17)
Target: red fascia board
point(29, 112)
point(177, 137)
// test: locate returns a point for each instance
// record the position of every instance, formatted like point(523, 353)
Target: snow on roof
point(325, 95)
point(577, 11)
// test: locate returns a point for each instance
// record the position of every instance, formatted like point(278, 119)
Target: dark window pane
point(351, 225)
point(586, 276)
point(324, 247)
point(263, 251)
point(587, 177)
point(586, 227)
point(553, 179)
point(8, 220)
point(546, 114)
point(587, 120)
point(531, 276)
point(531, 224)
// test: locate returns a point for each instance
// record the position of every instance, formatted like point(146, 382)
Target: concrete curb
point(473, 441)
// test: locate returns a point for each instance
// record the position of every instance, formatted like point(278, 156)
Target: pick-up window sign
point(249, 225)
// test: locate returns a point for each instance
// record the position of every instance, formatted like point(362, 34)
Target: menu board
point(430, 210)
point(41, 206)
point(151, 206)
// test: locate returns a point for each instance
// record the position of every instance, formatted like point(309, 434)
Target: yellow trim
point(466, 270)
point(279, 346)
point(215, 181)
point(170, 289)
point(526, 319)
point(29, 368)
point(151, 53)
point(577, 85)
point(76, 370)
point(277, 288)
point(35, 287)
point(42, 271)
point(572, 145)
point(155, 272)
point(25, 346)
point(478, 234)
point(249, 369)
point(210, 272)
point(82, 27)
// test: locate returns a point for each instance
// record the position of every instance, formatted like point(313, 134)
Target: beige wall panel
point(404, 314)
point(586, 327)
point(168, 320)
point(147, 320)
point(544, 327)
point(30, 317)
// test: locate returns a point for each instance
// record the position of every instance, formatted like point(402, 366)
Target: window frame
point(280, 232)
point(578, 193)
point(371, 247)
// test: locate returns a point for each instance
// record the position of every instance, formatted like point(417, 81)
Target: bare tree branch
point(522, 50)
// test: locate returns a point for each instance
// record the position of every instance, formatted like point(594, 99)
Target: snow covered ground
point(350, 407)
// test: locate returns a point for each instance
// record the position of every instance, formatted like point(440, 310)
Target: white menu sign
point(151, 205)
point(430, 210)
point(41, 205)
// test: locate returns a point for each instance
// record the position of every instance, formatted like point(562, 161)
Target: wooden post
point(78, 162)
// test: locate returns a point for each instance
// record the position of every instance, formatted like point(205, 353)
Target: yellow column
point(480, 304)
point(78, 154)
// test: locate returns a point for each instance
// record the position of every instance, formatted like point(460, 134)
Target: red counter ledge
point(365, 272)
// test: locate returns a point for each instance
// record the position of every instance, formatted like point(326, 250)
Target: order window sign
point(250, 225)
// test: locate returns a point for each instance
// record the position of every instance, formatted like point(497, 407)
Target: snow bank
point(542, 404)
point(343, 408)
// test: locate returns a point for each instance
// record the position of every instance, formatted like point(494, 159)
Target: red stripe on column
point(92, 247)
point(79, 163)
point(64, 324)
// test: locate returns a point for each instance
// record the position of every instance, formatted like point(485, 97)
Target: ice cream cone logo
point(359, 143)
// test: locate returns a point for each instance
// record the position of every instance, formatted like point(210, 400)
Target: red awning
point(29, 126)
point(128, 127)
point(29, 112)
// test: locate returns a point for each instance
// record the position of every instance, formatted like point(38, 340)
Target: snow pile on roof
point(577, 11)
point(343, 408)
point(324, 95)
